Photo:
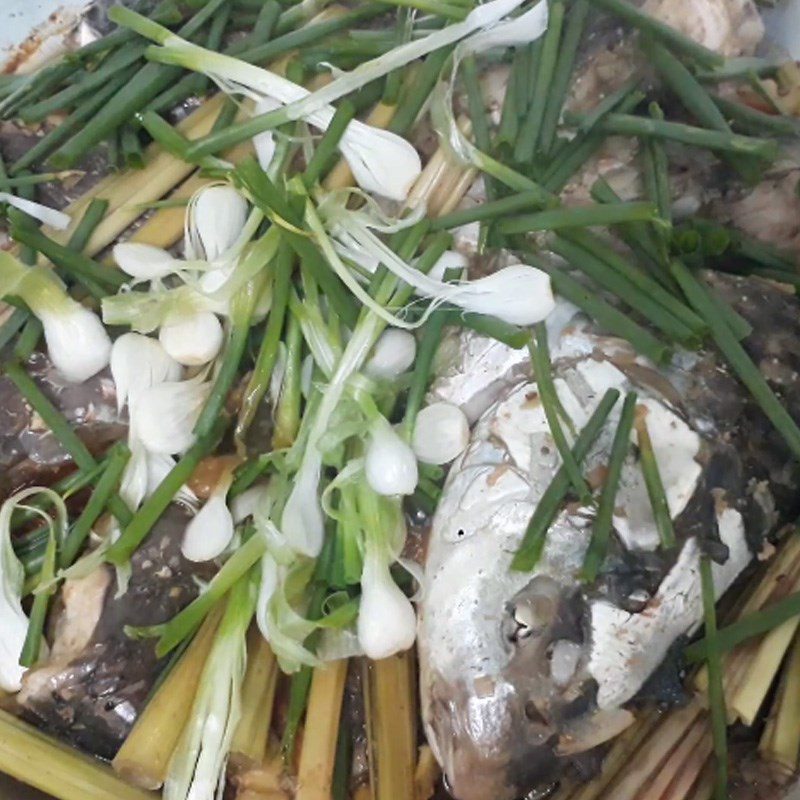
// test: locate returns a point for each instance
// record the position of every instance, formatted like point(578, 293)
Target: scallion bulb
point(145, 262)
point(390, 465)
point(193, 339)
point(387, 623)
point(215, 219)
point(164, 415)
point(138, 362)
point(441, 433)
point(211, 530)
point(449, 260)
point(264, 143)
point(392, 354)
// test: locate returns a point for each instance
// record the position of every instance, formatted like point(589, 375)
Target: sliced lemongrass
point(533, 541)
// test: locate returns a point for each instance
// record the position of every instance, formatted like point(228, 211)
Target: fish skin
point(494, 716)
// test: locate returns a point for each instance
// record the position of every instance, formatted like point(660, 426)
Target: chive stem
point(533, 542)
point(580, 217)
point(601, 529)
point(328, 143)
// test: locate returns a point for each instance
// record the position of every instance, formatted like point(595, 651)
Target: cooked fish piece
point(96, 679)
point(29, 452)
point(523, 673)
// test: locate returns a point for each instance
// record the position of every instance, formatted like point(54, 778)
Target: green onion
point(755, 624)
point(755, 122)
point(553, 409)
point(580, 217)
point(242, 309)
point(28, 339)
point(573, 32)
point(41, 600)
point(94, 213)
point(528, 140)
point(417, 93)
point(661, 31)
point(656, 171)
point(601, 528)
point(328, 144)
point(154, 506)
point(509, 116)
point(628, 125)
point(495, 208)
point(423, 365)
point(106, 486)
point(187, 621)
point(12, 325)
point(738, 359)
point(131, 148)
point(532, 546)
point(268, 352)
point(510, 335)
point(607, 317)
point(716, 688)
point(287, 412)
point(652, 480)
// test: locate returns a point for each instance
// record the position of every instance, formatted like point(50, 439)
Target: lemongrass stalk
point(143, 759)
point(426, 774)
point(33, 757)
point(315, 772)
point(391, 706)
point(688, 773)
point(747, 701)
point(780, 742)
point(704, 786)
point(249, 743)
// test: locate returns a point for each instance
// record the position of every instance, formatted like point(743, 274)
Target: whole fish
point(525, 674)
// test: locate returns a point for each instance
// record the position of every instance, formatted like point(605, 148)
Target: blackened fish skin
point(94, 699)
point(29, 452)
point(522, 673)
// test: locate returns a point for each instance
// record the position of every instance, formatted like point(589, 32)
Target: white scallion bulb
point(264, 143)
point(211, 530)
point(164, 415)
point(138, 362)
point(392, 354)
point(145, 262)
point(441, 433)
point(77, 342)
point(216, 217)
point(390, 465)
point(192, 340)
point(387, 623)
point(302, 523)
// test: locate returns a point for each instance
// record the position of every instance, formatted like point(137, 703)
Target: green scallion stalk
point(259, 381)
point(43, 147)
point(287, 414)
point(243, 307)
point(533, 542)
point(670, 36)
point(580, 217)
point(132, 97)
point(716, 688)
point(12, 326)
point(656, 172)
point(608, 317)
point(529, 133)
point(328, 144)
point(417, 93)
point(510, 113)
point(106, 486)
point(629, 125)
point(562, 74)
point(139, 525)
point(91, 218)
point(187, 621)
point(652, 480)
point(261, 31)
point(89, 83)
point(131, 148)
point(510, 335)
point(634, 288)
point(755, 122)
point(299, 689)
point(601, 528)
point(755, 624)
point(6, 183)
point(394, 80)
point(554, 411)
point(493, 209)
point(736, 356)
point(41, 600)
point(28, 339)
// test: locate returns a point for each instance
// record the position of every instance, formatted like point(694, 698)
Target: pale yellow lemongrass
point(265, 782)
point(619, 756)
point(426, 775)
point(690, 771)
point(780, 742)
point(391, 705)
point(453, 187)
point(762, 671)
point(249, 744)
point(59, 771)
point(144, 757)
point(318, 752)
point(704, 786)
point(653, 752)
point(674, 764)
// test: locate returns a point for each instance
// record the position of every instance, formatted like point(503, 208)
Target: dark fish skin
point(746, 466)
point(94, 700)
point(29, 452)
